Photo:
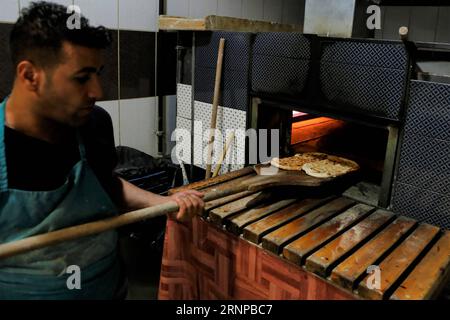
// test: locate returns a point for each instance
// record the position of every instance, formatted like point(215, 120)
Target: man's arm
point(132, 197)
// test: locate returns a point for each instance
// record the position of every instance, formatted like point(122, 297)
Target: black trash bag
point(133, 163)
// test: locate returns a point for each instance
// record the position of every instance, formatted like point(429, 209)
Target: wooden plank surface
point(228, 184)
point(244, 218)
point(392, 267)
point(199, 185)
point(214, 22)
point(256, 230)
point(322, 261)
point(275, 240)
point(428, 277)
point(297, 250)
point(355, 266)
point(221, 201)
point(218, 214)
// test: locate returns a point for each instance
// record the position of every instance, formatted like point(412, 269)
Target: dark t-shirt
point(36, 165)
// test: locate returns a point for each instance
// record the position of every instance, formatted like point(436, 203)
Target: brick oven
point(362, 99)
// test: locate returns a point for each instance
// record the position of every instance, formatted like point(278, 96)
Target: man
point(56, 161)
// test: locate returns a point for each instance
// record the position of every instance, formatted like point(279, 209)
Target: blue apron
point(43, 273)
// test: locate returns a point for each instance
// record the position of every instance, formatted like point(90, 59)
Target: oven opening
point(364, 144)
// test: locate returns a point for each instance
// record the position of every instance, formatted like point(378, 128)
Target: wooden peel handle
point(215, 106)
point(47, 239)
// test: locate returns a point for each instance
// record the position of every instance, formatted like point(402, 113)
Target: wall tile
point(253, 9)
point(230, 8)
point(202, 8)
point(113, 109)
point(422, 25)
point(184, 100)
point(6, 68)
point(293, 12)
point(395, 17)
point(100, 12)
point(110, 81)
point(138, 124)
point(166, 66)
point(137, 64)
point(170, 107)
point(443, 25)
point(26, 3)
point(273, 10)
point(140, 15)
point(178, 8)
point(10, 11)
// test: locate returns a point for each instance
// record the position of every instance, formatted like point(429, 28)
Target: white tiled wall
point(253, 9)
point(138, 124)
point(273, 10)
point(140, 15)
point(230, 8)
point(201, 8)
point(9, 11)
point(179, 8)
point(286, 11)
point(104, 12)
point(26, 3)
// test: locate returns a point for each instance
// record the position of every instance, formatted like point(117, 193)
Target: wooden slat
point(221, 201)
point(228, 184)
point(397, 262)
point(199, 185)
point(278, 238)
point(214, 22)
point(246, 217)
point(428, 277)
point(297, 250)
point(218, 215)
point(321, 261)
point(256, 230)
point(349, 271)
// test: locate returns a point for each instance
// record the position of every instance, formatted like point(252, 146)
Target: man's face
point(72, 86)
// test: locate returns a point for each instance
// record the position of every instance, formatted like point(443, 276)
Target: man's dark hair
point(41, 29)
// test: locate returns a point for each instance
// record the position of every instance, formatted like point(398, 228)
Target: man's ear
point(29, 75)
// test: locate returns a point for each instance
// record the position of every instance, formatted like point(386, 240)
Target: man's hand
point(190, 203)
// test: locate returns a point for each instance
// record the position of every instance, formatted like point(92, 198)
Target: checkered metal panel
point(376, 54)
point(425, 163)
point(429, 110)
point(422, 189)
point(282, 44)
point(423, 205)
point(184, 100)
point(279, 74)
point(280, 63)
point(236, 51)
point(373, 90)
point(231, 161)
point(182, 140)
point(234, 93)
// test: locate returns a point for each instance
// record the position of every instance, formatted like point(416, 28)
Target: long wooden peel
point(215, 107)
point(255, 183)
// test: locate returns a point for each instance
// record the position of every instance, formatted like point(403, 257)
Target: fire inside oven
point(372, 147)
point(365, 145)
